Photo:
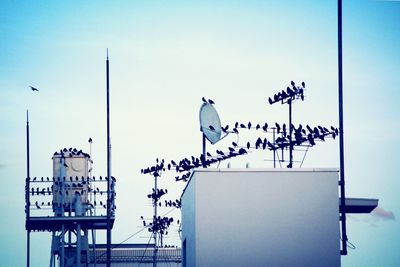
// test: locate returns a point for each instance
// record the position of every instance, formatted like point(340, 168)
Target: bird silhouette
point(34, 89)
point(310, 139)
point(278, 128)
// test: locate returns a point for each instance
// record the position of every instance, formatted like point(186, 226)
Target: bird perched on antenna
point(210, 101)
point(34, 89)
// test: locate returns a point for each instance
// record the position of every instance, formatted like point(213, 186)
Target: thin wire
point(304, 156)
point(277, 154)
point(144, 252)
point(117, 245)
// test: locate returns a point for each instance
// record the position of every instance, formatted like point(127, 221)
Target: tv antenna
point(287, 97)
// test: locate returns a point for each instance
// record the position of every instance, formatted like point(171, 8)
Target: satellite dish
point(210, 124)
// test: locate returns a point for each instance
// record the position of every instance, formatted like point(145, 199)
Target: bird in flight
point(34, 89)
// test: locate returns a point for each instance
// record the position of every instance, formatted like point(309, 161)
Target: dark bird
point(242, 151)
point(284, 129)
point(289, 91)
point(34, 89)
point(278, 128)
point(211, 102)
point(265, 127)
point(311, 139)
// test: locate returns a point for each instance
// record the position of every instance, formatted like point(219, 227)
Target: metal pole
point(91, 196)
point(290, 135)
point(78, 245)
point(341, 137)
point(155, 224)
point(273, 137)
point(63, 191)
point(108, 167)
point(27, 198)
point(62, 259)
point(204, 148)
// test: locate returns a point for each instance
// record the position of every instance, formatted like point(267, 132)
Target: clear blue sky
point(166, 55)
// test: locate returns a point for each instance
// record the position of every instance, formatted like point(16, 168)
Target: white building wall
point(255, 217)
point(189, 227)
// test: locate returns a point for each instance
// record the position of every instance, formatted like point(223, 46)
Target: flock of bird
point(83, 179)
point(70, 152)
point(301, 136)
point(284, 137)
point(69, 187)
point(159, 224)
point(289, 94)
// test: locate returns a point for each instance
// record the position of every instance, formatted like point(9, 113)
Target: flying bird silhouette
point(34, 89)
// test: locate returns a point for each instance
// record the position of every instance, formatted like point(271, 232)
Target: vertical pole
point(64, 200)
point(27, 198)
point(108, 167)
point(204, 148)
point(62, 259)
point(341, 137)
point(155, 223)
point(78, 245)
point(94, 208)
point(273, 138)
point(290, 135)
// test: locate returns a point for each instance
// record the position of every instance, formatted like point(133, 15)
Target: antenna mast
point(27, 186)
point(341, 141)
point(108, 167)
